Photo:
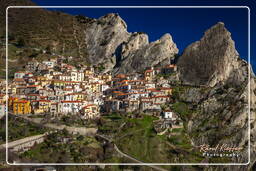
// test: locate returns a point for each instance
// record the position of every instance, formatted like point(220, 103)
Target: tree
point(20, 42)
point(48, 49)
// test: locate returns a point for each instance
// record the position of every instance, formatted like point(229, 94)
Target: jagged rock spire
point(210, 60)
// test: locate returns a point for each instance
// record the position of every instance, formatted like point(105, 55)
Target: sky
point(186, 25)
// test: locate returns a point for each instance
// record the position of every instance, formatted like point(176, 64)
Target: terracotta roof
point(89, 105)
point(41, 101)
point(120, 76)
point(21, 101)
point(150, 70)
point(161, 97)
point(167, 110)
point(117, 92)
point(66, 101)
point(75, 94)
point(170, 66)
point(33, 86)
point(33, 94)
point(165, 88)
point(18, 79)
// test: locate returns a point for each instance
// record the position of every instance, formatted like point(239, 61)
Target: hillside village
point(55, 87)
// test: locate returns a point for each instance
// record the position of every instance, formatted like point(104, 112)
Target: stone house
point(90, 111)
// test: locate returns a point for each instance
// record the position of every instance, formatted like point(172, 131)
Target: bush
point(182, 109)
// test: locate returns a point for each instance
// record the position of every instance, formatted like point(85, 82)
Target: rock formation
point(102, 37)
point(110, 45)
point(137, 56)
point(221, 109)
point(210, 60)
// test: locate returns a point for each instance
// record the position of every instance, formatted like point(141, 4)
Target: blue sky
point(185, 25)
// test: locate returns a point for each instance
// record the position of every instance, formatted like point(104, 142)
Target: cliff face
point(137, 54)
point(102, 37)
point(210, 60)
point(219, 111)
point(110, 45)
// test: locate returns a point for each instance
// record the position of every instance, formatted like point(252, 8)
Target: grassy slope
point(29, 34)
point(18, 128)
point(138, 139)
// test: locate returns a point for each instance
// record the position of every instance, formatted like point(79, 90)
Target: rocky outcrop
point(102, 37)
point(220, 114)
point(210, 60)
point(136, 56)
point(109, 45)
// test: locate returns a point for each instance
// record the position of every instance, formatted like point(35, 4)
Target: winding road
point(128, 156)
point(82, 131)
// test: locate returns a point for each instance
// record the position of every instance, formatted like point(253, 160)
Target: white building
point(71, 107)
point(76, 76)
point(167, 114)
point(150, 85)
point(49, 64)
point(104, 87)
point(19, 74)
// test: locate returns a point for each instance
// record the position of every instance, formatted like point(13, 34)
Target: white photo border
point(137, 164)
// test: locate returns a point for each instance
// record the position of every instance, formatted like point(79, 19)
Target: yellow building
point(58, 83)
point(149, 74)
point(41, 106)
point(78, 96)
point(43, 80)
point(11, 101)
point(89, 72)
point(2, 98)
point(21, 107)
point(167, 91)
point(95, 87)
point(106, 77)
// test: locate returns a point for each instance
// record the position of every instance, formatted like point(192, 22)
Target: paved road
point(128, 156)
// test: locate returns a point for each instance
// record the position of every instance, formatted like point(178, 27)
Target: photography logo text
point(220, 150)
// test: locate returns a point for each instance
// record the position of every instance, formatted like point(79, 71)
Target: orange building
point(21, 107)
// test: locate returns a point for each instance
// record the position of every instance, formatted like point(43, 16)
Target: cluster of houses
point(55, 87)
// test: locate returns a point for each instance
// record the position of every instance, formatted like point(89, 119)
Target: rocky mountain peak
point(135, 42)
point(166, 37)
point(138, 53)
point(210, 60)
point(113, 19)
